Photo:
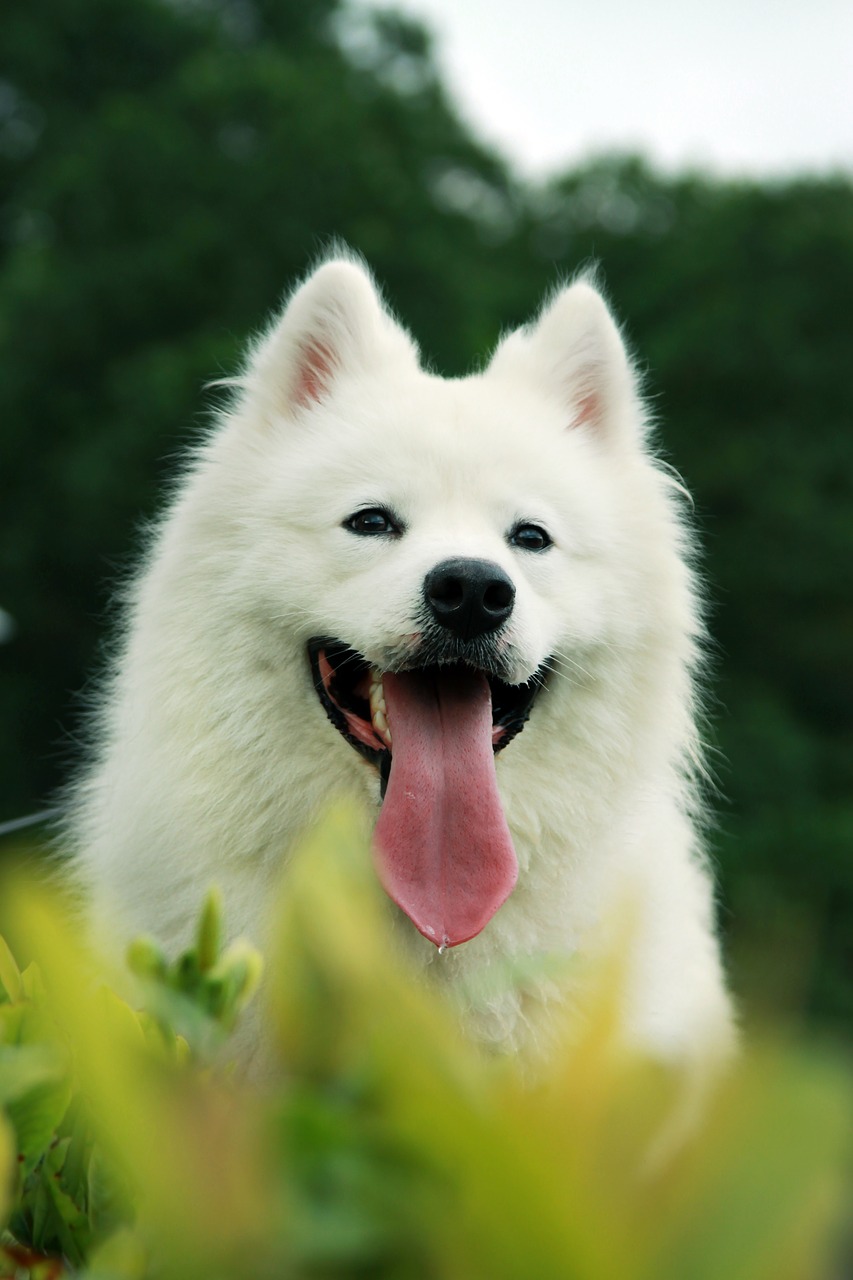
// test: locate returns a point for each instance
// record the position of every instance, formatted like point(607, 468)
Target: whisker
point(565, 664)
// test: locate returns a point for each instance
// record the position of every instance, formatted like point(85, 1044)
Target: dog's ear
point(575, 351)
point(334, 325)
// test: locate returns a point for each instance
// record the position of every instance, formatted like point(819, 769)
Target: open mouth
point(442, 847)
point(353, 696)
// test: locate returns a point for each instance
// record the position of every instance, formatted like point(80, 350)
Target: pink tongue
point(443, 849)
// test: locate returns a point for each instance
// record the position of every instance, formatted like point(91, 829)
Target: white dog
point(466, 600)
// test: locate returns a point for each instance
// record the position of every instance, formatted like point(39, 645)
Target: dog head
point(446, 551)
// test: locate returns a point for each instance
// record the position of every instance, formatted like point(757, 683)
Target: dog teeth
point(378, 710)
point(380, 724)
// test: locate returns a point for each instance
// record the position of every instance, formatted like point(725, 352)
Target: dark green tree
point(165, 171)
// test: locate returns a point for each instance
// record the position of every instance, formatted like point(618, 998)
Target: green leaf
point(146, 959)
point(209, 935)
point(60, 1224)
point(7, 1166)
point(26, 1067)
point(36, 1116)
point(107, 1195)
point(10, 974)
point(12, 1017)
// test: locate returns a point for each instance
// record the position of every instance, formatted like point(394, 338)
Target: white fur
point(214, 753)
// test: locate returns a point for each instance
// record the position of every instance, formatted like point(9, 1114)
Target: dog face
point(444, 553)
point(374, 473)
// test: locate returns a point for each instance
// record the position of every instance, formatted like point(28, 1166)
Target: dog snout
point(469, 597)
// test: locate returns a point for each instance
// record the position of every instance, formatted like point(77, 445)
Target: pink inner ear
point(316, 367)
point(588, 410)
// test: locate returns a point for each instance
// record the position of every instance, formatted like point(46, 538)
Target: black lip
point(511, 703)
point(349, 668)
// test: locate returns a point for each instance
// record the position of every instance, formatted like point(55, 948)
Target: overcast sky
point(735, 86)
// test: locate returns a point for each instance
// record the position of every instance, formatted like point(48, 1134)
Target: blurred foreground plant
point(385, 1145)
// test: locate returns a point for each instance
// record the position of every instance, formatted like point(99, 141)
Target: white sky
point(734, 86)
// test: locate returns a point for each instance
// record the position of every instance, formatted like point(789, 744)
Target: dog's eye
point(529, 537)
point(372, 520)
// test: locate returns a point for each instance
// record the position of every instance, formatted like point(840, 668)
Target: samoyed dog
point(467, 601)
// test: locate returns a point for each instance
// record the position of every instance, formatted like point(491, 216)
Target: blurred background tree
point(166, 169)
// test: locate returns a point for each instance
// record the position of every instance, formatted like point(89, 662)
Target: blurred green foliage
point(381, 1144)
point(166, 169)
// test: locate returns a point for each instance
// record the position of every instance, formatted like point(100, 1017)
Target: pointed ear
point(333, 325)
point(575, 352)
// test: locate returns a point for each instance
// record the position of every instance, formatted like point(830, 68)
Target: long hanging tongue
point(442, 846)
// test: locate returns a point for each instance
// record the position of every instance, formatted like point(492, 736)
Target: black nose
point(469, 597)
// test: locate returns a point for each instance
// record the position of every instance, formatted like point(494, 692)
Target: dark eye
point(372, 520)
point(529, 537)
